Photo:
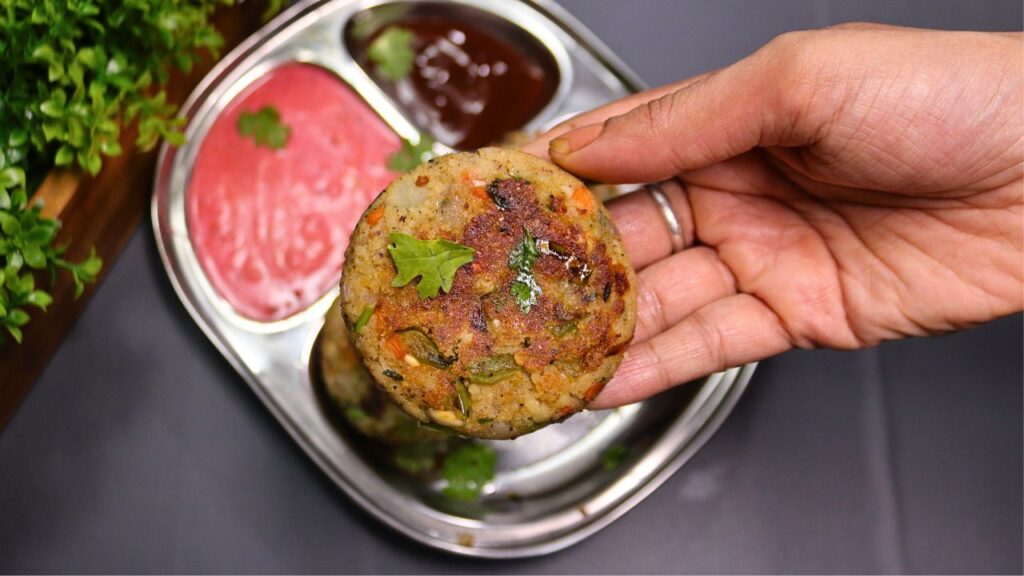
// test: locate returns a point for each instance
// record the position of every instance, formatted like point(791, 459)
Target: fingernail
point(576, 140)
point(559, 146)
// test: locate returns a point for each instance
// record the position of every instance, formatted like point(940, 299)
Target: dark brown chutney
point(469, 85)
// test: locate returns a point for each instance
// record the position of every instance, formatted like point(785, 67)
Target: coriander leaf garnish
point(525, 288)
point(410, 155)
point(433, 261)
point(392, 52)
point(466, 470)
point(524, 254)
point(264, 127)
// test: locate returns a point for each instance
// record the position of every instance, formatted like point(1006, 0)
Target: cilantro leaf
point(264, 127)
point(466, 470)
point(525, 288)
point(524, 254)
point(392, 53)
point(434, 261)
point(410, 155)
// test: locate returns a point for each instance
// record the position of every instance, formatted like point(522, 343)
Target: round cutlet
point(494, 292)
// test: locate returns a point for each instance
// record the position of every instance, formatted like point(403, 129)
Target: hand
point(843, 187)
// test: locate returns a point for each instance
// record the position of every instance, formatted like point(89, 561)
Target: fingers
point(642, 227)
point(672, 289)
point(539, 147)
point(728, 332)
point(755, 102)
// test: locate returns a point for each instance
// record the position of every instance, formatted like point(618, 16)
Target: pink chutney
point(270, 227)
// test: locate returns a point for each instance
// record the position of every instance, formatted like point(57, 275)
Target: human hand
point(839, 188)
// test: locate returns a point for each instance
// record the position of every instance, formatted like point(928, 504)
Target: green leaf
point(410, 155)
point(9, 224)
point(53, 131)
point(39, 299)
point(466, 470)
point(524, 254)
point(525, 288)
point(433, 261)
point(17, 317)
point(271, 9)
point(34, 257)
point(110, 147)
point(26, 284)
point(52, 108)
point(56, 72)
point(76, 74)
point(86, 57)
point(392, 52)
point(93, 163)
point(45, 53)
point(12, 177)
point(15, 332)
point(174, 138)
point(42, 234)
point(14, 263)
point(76, 133)
point(264, 127)
point(65, 155)
point(17, 138)
point(92, 265)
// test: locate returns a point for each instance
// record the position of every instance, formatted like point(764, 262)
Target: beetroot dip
point(270, 227)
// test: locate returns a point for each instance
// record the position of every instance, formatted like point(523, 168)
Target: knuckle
point(711, 341)
point(651, 311)
point(797, 64)
point(658, 375)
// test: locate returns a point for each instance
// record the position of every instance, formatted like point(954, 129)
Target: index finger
point(539, 147)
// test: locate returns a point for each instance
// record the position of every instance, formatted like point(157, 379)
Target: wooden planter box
point(101, 213)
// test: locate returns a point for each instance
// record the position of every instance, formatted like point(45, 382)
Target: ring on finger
point(675, 230)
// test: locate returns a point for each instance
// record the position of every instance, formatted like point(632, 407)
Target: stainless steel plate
point(550, 489)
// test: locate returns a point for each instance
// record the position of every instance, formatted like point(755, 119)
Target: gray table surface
point(141, 451)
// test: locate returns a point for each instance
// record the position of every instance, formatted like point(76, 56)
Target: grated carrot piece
point(583, 200)
point(375, 215)
point(394, 344)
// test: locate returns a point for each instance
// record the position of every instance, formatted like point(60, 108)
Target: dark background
point(140, 450)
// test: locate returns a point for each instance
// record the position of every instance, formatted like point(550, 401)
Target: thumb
point(759, 101)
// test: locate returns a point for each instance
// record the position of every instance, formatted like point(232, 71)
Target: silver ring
point(675, 231)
